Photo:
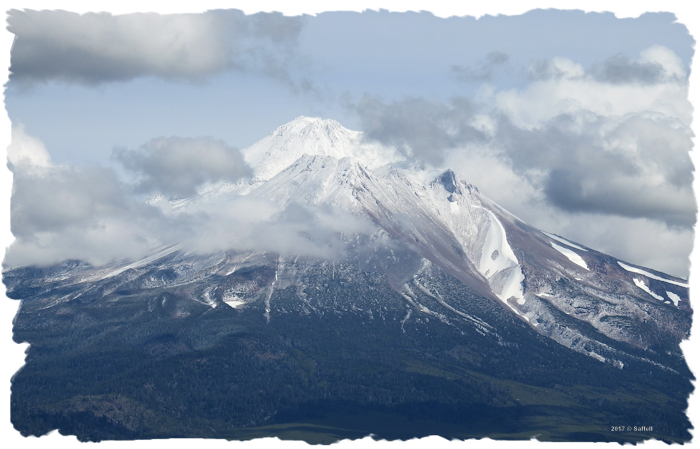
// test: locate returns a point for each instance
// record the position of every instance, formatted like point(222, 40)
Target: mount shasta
point(399, 301)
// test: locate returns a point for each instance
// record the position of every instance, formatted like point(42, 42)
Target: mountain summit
point(315, 137)
point(429, 303)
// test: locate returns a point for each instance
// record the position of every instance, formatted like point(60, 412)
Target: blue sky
point(577, 122)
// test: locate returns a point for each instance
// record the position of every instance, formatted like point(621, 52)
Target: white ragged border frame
point(687, 12)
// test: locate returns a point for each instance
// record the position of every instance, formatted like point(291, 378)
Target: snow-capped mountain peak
point(315, 137)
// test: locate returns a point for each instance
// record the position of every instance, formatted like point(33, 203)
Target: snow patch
point(572, 256)
point(514, 287)
point(411, 297)
point(644, 287)
point(476, 321)
point(673, 297)
point(649, 275)
point(598, 357)
point(235, 303)
point(564, 241)
point(231, 299)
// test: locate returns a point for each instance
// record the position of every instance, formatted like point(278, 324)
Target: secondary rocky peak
point(449, 181)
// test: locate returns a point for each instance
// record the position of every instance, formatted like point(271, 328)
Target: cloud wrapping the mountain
point(61, 212)
point(94, 48)
point(178, 166)
point(245, 223)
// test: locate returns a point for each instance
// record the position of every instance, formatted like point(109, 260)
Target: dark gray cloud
point(637, 167)
point(483, 71)
point(620, 69)
point(420, 128)
point(94, 48)
point(178, 166)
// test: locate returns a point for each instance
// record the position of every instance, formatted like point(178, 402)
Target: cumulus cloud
point(483, 71)
point(63, 196)
point(94, 48)
point(178, 166)
point(670, 62)
point(634, 166)
point(620, 69)
point(542, 101)
point(613, 140)
point(655, 82)
point(419, 128)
